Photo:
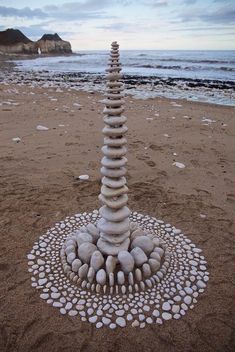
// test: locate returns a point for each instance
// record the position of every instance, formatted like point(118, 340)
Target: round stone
point(101, 277)
point(166, 306)
point(121, 322)
point(143, 242)
point(97, 260)
point(126, 261)
point(166, 316)
point(139, 256)
point(76, 265)
point(85, 251)
point(83, 238)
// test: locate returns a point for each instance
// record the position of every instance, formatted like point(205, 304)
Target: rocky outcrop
point(53, 44)
point(13, 41)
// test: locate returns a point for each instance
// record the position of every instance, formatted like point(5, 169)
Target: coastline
point(40, 186)
point(138, 86)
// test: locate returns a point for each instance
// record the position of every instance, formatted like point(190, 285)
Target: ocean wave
point(195, 61)
point(182, 67)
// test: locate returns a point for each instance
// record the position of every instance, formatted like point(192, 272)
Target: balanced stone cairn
point(114, 253)
point(113, 267)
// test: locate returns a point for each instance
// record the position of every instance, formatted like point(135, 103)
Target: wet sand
point(39, 186)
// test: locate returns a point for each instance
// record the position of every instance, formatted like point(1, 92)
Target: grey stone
point(143, 242)
point(101, 277)
point(139, 256)
point(97, 260)
point(126, 261)
point(85, 251)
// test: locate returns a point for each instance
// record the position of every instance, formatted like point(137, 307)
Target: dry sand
point(39, 185)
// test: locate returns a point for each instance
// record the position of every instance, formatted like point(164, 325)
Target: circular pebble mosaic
point(173, 290)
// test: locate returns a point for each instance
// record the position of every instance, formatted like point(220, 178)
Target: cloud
point(119, 27)
point(223, 15)
point(65, 12)
point(25, 12)
point(189, 2)
point(151, 3)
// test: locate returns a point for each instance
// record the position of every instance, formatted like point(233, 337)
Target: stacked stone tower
point(114, 225)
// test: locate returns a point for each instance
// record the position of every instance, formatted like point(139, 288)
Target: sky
point(135, 24)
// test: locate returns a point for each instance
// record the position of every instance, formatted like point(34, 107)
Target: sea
point(207, 76)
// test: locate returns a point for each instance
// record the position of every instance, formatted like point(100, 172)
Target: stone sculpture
point(114, 266)
point(114, 224)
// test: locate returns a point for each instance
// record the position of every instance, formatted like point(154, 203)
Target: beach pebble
point(101, 277)
point(139, 256)
point(97, 260)
point(126, 261)
point(16, 139)
point(72, 313)
point(179, 165)
point(82, 271)
point(143, 242)
point(166, 306)
point(166, 316)
point(121, 322)
point(110, 264)
point(42, 128)
point(83, 237)
point(84, 177)
point(85, 251)
point(106, 321)
point(76, 264)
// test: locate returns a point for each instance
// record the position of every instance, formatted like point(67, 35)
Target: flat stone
point(143, 242)
point(114, 215)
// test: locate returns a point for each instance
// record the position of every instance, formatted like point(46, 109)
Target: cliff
point(53, 44)
point(14, 42)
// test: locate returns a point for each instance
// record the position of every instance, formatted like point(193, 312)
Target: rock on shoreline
point(14, 42)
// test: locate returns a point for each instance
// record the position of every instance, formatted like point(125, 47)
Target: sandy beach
point(40, 185)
